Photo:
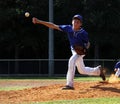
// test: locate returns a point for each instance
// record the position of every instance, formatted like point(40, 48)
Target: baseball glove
point(80, 50)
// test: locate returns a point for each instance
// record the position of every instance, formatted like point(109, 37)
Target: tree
point(19, 31)
point(103, 21)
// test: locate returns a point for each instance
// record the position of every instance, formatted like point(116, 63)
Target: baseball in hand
point(27, 14)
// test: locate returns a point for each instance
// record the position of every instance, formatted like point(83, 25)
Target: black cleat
point(68, 88)
point(102, 73)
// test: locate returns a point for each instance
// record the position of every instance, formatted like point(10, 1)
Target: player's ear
point(81, 22)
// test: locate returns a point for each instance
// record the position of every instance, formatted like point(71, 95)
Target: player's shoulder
point(69, 26)
point(83, 31)
point(118, 63)
point(65, 26)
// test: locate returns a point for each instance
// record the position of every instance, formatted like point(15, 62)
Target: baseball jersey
point(117, 65)
point(75, 37)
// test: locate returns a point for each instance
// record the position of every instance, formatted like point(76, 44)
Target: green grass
point(82, 101)
point(12, 88)
point(18, 79)
point(80, 78)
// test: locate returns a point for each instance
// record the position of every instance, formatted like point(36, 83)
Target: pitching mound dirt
point(54, 92)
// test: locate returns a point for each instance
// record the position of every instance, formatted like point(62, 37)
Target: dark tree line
point(20, 38)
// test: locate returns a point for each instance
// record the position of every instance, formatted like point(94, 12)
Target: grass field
point(84, 101)
point(7, 87)
point(81, 101)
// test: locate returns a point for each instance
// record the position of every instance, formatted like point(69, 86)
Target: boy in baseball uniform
point(78, 37)
point(117, 69)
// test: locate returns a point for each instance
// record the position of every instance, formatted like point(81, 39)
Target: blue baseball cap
point(77, 16)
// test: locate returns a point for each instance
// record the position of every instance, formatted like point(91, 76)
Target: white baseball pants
point(77, 61)
point(117, 72)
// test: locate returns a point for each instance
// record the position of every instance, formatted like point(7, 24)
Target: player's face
point(76, 23)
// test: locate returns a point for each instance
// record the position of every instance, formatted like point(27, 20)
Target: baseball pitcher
point(79, 43)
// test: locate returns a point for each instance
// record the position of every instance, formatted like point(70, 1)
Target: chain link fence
point(39, 67)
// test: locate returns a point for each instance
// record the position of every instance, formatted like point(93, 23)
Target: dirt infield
point(51, 90)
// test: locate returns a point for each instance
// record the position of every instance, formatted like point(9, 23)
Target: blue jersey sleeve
point(66, 28)
point(117, 65)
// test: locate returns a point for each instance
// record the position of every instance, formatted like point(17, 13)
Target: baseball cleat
point(102, 73)
point(68, 88)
